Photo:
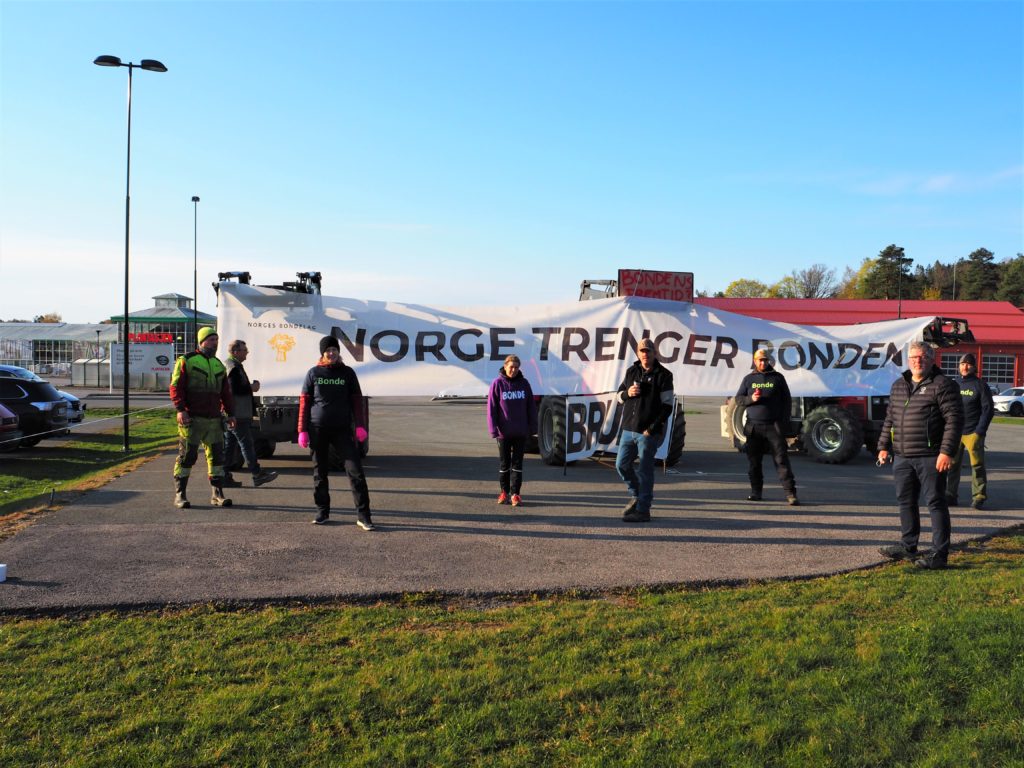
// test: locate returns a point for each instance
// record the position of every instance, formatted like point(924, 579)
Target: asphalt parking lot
point(432, 473)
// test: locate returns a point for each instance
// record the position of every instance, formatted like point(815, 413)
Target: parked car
point(1010, 401)
point(76, 408)
point(41, 410)
point(10, 430)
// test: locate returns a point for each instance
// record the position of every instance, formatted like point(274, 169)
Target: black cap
point(327, 342)
point(969, 359)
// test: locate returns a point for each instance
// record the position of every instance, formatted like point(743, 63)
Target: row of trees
point(889, 276)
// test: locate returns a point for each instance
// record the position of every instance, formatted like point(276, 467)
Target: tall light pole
point(151, 65)
point(195, 269)
point(898, 253)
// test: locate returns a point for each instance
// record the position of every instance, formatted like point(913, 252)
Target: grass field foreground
point(884, 667)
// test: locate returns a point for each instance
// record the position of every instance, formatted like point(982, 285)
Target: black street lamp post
point(898, 253)
point(195, 269)
point(152, 65)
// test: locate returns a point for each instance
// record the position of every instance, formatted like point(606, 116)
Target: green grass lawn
point(884, 667)
point(83, 459)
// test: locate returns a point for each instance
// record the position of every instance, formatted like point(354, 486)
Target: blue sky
point(493, 153)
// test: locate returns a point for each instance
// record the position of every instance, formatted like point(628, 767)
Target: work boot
point(180, 500)
point(217, 496)
point(263, 477)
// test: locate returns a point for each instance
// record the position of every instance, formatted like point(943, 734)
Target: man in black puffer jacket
point(922, 428)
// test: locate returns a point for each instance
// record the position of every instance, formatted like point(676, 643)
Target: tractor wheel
point(735, 418)
point(678, 437)
point(551, 430)
point(831, 435)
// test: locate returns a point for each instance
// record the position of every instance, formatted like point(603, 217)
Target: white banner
point(592, 425)
point(571, 348)
point(143, 358)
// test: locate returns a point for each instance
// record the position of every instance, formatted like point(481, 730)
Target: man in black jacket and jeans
point(766, 395)
point(978, 411)
point(922, 428)
point(647, 397)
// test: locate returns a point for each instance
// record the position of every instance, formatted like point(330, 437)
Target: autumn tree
point(49, 317)
point(746, 289)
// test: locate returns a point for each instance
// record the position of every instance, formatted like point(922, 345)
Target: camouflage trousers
point(200, 431)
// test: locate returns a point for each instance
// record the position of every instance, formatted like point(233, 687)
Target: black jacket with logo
point(977, 402)
point(774, 404)
point(924, 418)
point(331, 399)
point(650, 411)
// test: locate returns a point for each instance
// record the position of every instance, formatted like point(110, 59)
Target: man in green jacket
point(200, 393)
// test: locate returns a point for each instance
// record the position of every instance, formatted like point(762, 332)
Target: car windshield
point(1013, 392)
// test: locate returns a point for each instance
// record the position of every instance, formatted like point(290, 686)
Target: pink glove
point(304, 439)
point(361, 434)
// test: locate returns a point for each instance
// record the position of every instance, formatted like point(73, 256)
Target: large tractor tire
point(551, 430)
point(678, 437)
point(735, 418)
point(831, 435)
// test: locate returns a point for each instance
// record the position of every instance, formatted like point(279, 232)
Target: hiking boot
point(364, 522)
point(321, 518)
point(898, 552)
point(793, 500)
point(754, 497)
point(263, 477)
point(217, 497)
point(930, 563)
point(952, 501)
point(636, 516)
point(229, 482)
point(503, 498)
point(978, 503)
point(629, 508)
point(516, 499)
point(180, 500)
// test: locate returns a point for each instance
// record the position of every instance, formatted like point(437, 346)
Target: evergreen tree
point(1011, 281)
point(890, 277)
point(981, 277)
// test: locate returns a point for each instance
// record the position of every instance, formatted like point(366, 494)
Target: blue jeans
point(639, 480)
point(917, 480)
point(240, 438)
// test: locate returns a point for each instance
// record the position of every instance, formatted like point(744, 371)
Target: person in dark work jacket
point(511, 418)
point(978, 412)
point(647, 396)
point(922, 428)
point(331, 415)
point(766, 394)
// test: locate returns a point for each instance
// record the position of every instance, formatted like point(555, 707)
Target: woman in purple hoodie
point(511, 418)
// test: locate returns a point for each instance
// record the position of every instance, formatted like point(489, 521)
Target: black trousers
point(510, 469)
point(762, 438)
point(320, 442)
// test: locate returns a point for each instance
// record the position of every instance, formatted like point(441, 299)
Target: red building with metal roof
point(998, 326)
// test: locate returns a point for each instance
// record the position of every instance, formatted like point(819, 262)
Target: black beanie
point(969, 359)
point(328, 341)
